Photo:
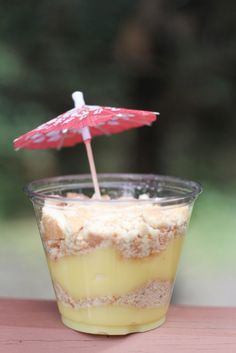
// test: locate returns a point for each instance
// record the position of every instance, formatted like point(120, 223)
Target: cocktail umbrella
point(80, 124)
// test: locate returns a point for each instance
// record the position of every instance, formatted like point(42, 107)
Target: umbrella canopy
point(80, 124)
point(66, 129)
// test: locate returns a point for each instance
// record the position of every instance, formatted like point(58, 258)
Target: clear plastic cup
point(113, 261)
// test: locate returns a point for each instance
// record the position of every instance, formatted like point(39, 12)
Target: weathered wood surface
point(34, 326)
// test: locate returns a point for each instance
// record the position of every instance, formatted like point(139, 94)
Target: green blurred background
point(173, 56)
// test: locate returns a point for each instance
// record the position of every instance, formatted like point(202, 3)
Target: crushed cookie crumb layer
point(134, 231)
point(153, 294)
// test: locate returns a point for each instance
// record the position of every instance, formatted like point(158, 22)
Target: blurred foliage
point(175, 56)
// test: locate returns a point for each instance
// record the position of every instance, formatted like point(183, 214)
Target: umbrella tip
point(78, 98)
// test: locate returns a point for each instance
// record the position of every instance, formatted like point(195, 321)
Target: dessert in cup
point(112, 242)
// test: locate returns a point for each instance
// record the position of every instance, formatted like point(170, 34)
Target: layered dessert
point(112, 262)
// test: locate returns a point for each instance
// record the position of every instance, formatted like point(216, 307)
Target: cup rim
point(192, 188)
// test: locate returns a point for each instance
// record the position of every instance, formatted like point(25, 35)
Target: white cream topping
point(135, 228)
point(58, 217)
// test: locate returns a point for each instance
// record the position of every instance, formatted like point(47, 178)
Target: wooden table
point(34, 326)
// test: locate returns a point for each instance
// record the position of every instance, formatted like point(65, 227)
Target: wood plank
point(34, 326)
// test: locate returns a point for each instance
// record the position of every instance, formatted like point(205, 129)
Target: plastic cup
point(113, 261)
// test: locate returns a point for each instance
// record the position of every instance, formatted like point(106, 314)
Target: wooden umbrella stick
point(86, 136)
point(92, 168)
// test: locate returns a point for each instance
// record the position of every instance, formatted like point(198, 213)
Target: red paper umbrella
point(80, 124)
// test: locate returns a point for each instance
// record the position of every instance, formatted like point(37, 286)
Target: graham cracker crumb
point(134, 231)
point(153, 294)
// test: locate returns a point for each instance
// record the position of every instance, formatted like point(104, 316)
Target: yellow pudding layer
point(112, 320)
point(105, 272)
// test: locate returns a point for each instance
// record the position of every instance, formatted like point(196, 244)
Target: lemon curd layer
point(111, 319)
point(104, 272)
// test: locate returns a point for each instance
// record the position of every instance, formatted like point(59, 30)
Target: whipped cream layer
point(136, 228)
